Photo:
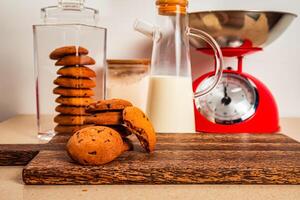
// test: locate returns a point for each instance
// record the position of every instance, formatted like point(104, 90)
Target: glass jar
point(70, 65)
point(128, 79)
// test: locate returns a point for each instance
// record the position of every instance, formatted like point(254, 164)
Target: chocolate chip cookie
point(69, 128)
point(75, 60)
point(71, 92)
point(74, 101)
point(77, 71)
point(107, 105)
point(71, 110)
point(67, 50)
point(141, 126)
point(71, 82)
point(106, 118)
point(96, 145)
point(69, 120)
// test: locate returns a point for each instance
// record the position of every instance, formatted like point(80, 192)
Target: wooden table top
point(21, 129)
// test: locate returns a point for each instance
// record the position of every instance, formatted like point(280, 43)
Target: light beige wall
point(278, 66)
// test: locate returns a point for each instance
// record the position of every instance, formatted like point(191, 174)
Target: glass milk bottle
point(170, 104)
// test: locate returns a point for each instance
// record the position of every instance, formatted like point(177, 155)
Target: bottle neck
point(170, 55)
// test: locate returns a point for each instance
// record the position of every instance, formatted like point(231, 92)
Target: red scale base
point(265, 119)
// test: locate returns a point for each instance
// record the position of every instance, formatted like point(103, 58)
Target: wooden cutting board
point(180, 159)
point(21, 154)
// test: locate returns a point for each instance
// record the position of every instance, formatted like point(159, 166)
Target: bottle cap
point(172, 7)
point(183, 3)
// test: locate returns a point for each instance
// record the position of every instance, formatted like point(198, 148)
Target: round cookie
point(74, 101)
point(71, 110)
point(96, 145)
point(140, 125)
point(106, 105)
point(67, 50)
point(77, 71)
point(69, 120)
point(74, 82)
point(105, 118)
point(69, 129)
point(71, 92)
point(75, 60)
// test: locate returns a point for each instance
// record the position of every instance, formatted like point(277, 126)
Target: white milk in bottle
point(170, 104)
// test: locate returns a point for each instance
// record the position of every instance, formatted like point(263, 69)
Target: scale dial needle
point(226, 100)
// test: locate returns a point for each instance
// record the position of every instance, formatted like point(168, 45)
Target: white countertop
point(21, 129)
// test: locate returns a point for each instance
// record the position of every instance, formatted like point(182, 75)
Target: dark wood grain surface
point(21, 154)
point(210, 138)
point(180, 159)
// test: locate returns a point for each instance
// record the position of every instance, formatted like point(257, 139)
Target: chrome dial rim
point(234, 100)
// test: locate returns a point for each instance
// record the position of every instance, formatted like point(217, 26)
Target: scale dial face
point(234, 100)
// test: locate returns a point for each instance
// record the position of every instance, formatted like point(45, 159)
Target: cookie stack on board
point(74, 85)
point(105, 140)
point(123, 117)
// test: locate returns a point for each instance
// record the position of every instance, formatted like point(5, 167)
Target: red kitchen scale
point(240, 103)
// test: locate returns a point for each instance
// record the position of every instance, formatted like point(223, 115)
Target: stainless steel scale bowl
point(234, 28)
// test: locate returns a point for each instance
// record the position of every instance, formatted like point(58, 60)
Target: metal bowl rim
point(254, 11)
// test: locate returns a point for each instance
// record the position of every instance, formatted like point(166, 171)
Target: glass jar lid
point(129, 62)
point(138, 64)
point(70, 11)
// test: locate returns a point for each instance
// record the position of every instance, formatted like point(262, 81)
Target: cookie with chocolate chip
point(140, 125)
point(69, 128)
point(74, 92)
point(71, 82)
point(75, 60)
point(108, 105)
point(71, 110)
point(96, 145)
point(67, 50)
point(74, 101)
point(69, 119)
point(77, 71)
point(105, 118)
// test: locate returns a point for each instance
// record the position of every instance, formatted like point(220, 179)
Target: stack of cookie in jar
point(74, 85)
